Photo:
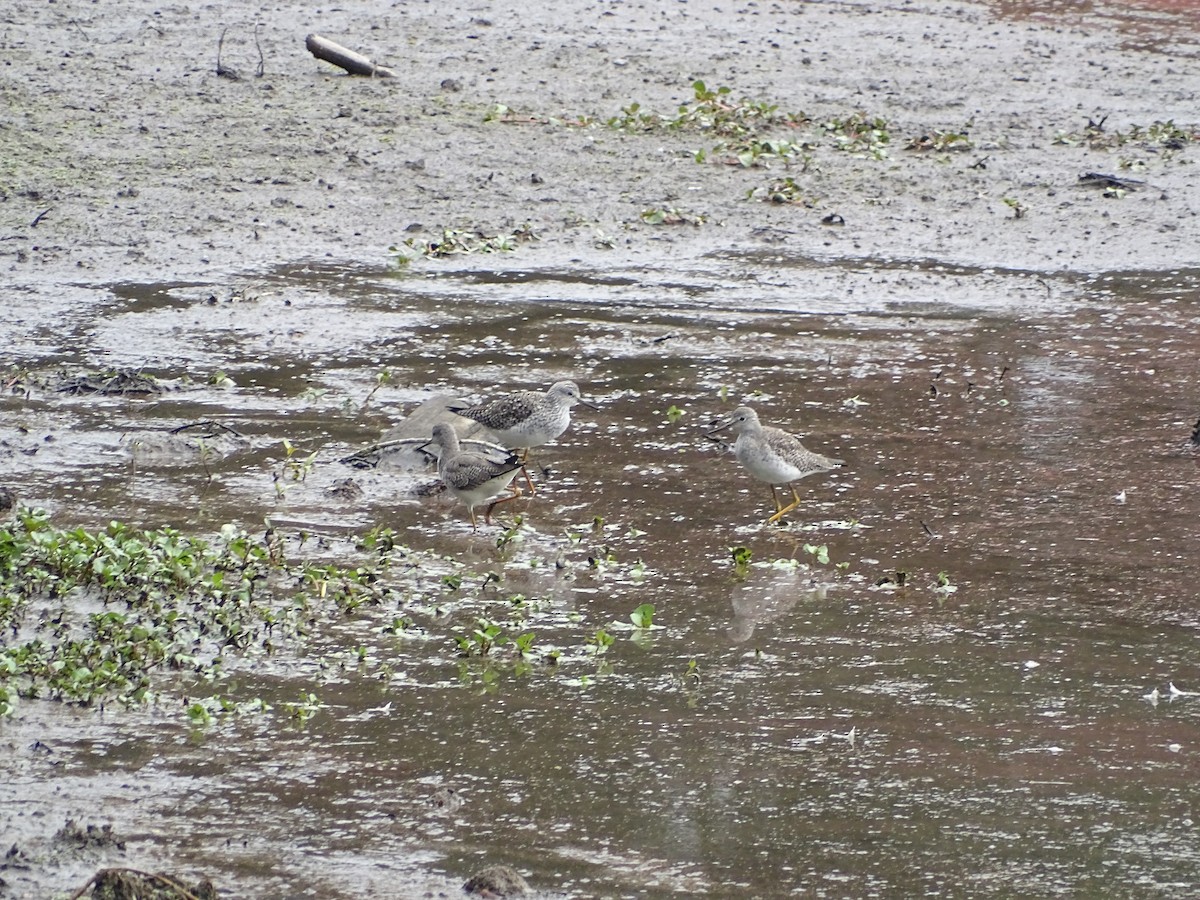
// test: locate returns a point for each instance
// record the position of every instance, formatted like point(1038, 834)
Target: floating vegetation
point(137, 617)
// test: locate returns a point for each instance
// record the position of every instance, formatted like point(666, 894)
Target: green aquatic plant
point(523, 643)
point(1165, 138)
point(482, 639)
point(820, 554)
point(120, 613)
point(379, 539)
point(294, 467)
point(302, 710)
point(600, 642)
point(382, 378)
point(512, 534)
point(643, 616)
point(139, 617)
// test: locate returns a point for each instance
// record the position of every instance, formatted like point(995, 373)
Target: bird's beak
point(716, 426)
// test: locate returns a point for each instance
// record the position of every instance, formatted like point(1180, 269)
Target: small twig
point(262, 63)
point(38, 218)
point(207, 423)
point(223, 72)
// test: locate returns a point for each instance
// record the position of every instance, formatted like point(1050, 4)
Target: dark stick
point(223, 72)
point(262, 63)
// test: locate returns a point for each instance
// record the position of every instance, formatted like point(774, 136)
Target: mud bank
point(124, 157)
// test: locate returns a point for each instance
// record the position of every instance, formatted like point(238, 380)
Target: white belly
point(763, 465)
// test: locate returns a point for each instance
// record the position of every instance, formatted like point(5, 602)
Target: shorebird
point(772, 455)
point(527, 419)
point(472, 477)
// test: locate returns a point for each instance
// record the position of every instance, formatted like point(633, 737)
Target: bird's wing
point(501, 413)
point(790, 447)
point(470, 470)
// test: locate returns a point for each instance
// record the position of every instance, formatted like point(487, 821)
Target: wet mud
point(964, 665)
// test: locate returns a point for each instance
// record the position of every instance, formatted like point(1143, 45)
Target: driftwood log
point(354, 63)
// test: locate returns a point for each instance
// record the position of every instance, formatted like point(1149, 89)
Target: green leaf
point(643, 616)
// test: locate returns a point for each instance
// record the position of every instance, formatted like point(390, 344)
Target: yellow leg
point(782, 511)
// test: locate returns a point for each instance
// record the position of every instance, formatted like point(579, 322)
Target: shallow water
point(987, 734)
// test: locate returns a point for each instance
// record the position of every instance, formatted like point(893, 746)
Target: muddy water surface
point(1012, 445)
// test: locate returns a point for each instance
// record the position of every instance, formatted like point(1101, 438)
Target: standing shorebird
point(472, 477)
point(773, 455)
point(527, 419)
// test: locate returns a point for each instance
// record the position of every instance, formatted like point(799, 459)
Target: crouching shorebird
point(472, 477)
point(527, 419)
point(772, 455)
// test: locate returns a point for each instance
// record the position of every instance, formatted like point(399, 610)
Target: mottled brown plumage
point(472, 477)
point(774, 456)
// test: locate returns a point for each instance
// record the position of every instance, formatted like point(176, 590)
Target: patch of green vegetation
point(95, 615)
point(294, 468)
point(741, 557)
point(671, 216)
point(1019, 209)
point(820, 554)
point(1162, 137)
point(941, 141)
point(119, 613)
point(643, 616)
point(458, 242)
point(711, 112)
point(129, 616)
point(859, 135)
point(781, 191)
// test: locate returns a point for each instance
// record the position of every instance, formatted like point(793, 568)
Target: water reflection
point(768, 595)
